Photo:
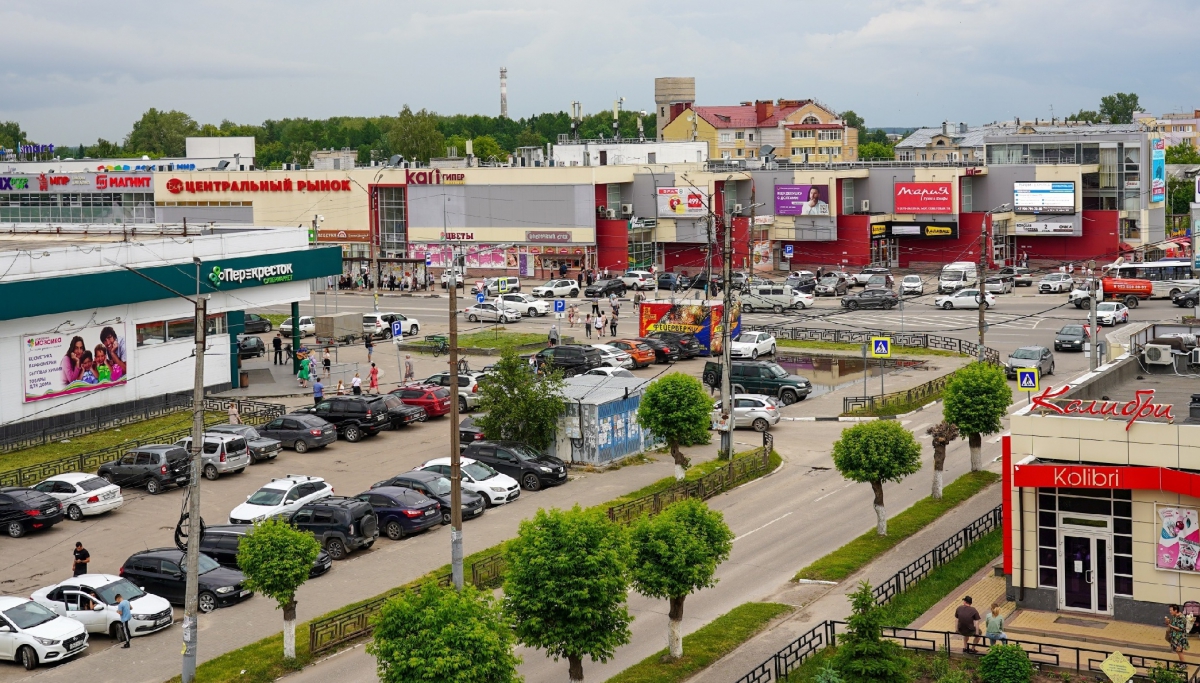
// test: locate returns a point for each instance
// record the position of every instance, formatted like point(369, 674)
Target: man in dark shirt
point(966, 620)
point(277, 344)
point(82, 557)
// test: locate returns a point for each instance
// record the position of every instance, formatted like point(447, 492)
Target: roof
point(923, 137)
point(974, 137)
point(744, 115)
point(598, 390)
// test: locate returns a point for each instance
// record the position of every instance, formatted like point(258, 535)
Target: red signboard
point(923, 198)
point(1046, 475)
point(1141, 406)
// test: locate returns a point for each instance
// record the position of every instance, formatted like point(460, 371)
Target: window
point(739, 151)
point(725, 137)
point(151, 333)
point(750, 137)
point(966, 195)
point(393, 227)
point(725, 154)
point(810, 119)
point(848, 196)
point(739, 135)
point(797, 151)
point(800, 134)
point(183, 328)
point(829, 135)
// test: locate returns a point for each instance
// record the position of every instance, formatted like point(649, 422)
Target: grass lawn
point(705, 646)
point(851, 557)
point(845, 346)
point(906, 607)
point(493, 338)
point(276, 320)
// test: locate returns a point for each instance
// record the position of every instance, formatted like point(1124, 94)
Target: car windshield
point(912, 278)
point(552, 283)
point(92, 484)
point(829, 280)
point(525, 453)
point(1072, 331)
point(1027, 354)
point(440, 486)
point(1106, 307)
point(953, 275)
point(108, 593)
point(479, 471)
point(287, 322)
point(777, 371)
point(266, 497)
point(206, 564)
point(29, 614)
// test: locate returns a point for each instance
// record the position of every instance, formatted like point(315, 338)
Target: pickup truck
point(1126, 290)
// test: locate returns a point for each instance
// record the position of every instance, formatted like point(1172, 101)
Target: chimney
point(763, 109)
point(945, 127)
point(503, 93)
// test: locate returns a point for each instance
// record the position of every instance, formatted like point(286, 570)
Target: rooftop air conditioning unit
point(627, 209)
point(866, 206)
point(1158, 354)
point(601, 209)
point(610, 214)
point(737, 208)
point(1194, 358)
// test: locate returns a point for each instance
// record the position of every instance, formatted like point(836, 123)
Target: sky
point(76, 71)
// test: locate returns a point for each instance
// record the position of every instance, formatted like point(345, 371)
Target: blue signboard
point(559, 305)
point(397, 328)
point(788, 251)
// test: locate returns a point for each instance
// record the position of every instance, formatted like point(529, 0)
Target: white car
point(477, 477)
point(308, 327)
point(278, 496)
point(1054, 283)
point(82, 495)
point(613, 357)
point(487, 311)
point(458, 278)
point(802, 300)
point(31, 633)
point(964, 298)
point(91, 599)
point(558, 288)
point(639, 279)
point(752, 345)
point(1111, 313)
point(912, 284)
point(524, 304)
point(609, 371)
point(380, 325)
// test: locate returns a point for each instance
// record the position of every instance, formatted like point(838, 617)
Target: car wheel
point(778, 309)
point(27, 657)
point(114, 630)
point(412, 331)
point(574, 293)
point(1131, 302)
point(15, 529)
point(1051, 369)
point(473, 318)
point(710, 378)
point(754, 354)
point(74, 513)
point(947, 306)
point(761, 425)
point(887, 305)
point(621, 292)
point(1187, 303)
point(207, 602)
point(335, 548)
point(789, 397)
point(773, 349)
point(852, 305)
point(301, 446)
point(394, 530)
point(153, 487)
point(1174, 293)
point(737, 389)
point(530, 482)
point(107, 477)
point(270, 327)
point(211, 473)
point(747, 308)
point(533, 313)
point(353, 434)
point(462, 404)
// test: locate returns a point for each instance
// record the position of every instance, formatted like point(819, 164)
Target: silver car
point(487, 311)
point(912, 284)
point(756, 411)
point(1000, 284)
point(223, 454)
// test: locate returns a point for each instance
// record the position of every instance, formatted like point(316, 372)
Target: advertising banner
point(62, 363)
point(761, 255)
point(1044, 197)
point(948, 230)
point(923, 198)
point(701, 318)
point(1045, 228)
point(1178, 539)
point(1158, 170)
point(802, 200)
point(681, 202)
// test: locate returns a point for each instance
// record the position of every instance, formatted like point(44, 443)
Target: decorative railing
point(329, 632)
point(91, 421)
point(917, 339)
point(919, 393)
point(941, 554)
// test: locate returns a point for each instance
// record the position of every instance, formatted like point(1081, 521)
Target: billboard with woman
point(74, 361)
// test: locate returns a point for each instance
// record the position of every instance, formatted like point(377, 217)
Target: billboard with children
point(74, 361)
point(1178, 539)
point(701, 318)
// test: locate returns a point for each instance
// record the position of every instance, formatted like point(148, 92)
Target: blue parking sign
point(560, 305)
point(1027, 379)
point(789, 250)
point(397, 328)
point(479, 297)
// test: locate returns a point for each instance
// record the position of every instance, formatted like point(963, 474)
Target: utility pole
point(726, 452)
point(1094, 356)
point(981, 296)
point(192, 589)
point(456, 520)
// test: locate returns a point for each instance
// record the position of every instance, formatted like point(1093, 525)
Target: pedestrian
point(356, 385)
point(370, 347)
point(595, 306)
point(82, 557)
point(571, 314)
point(966, 623)
point(1177, 629)
point(614, 302)
point(587, 325)
point(373, 376)
point(304, 371)
point(318, 391)
point(326, 361)
point(290, 354)
point(600, 323)
point(409, 373)
point(579, 279)
point(235, 418)
point(552, 338)
point(123, 609)
point(994, 624)
point(612, 324)
point(277, 345)
point(1071, 269)
point(341, 388)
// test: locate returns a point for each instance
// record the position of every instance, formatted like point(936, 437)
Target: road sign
point(881, 347)
point(1027, 379)
point(397, 328)
point(560, 305)
point(788, 251)
point(1118, 668)
point(502, 285)
point(428, 259)
point(479, 297)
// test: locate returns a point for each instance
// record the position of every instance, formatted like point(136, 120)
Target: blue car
point(402, 511)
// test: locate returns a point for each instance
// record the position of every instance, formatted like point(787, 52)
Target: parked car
point(519, 461)
point(261, 447)
point(458, 278)
point(665, 351)
point(832, 285)
point(494, 487)
point(775, 298)
point(281, 495)
point(998, 284)
point(342, 525)
point(565, 288)
point(671, 282)
point(1111, 313)
point(760, 377)
point(157, 466)
point(689, 346)
point(256, 323)
point(308, 327)
point(751, 410)
point(433, 399)
point(639, 279)
point(380, 325)
point(497, 285)
point(468, 387)
point(524, 304)
point(23, 510)
point(912, 284)
point(468, 431)
point(1054, 283)
point(613, 357)
point(402, 511)
point(300, 431)
point(1071, 337)
point(957, 275)
point(863, 276)
point(81, 495)
point(220, 542)
point(871, 298)
point(802, 281)
point(354, 416)
point(881, 280)
point(1030, 357)
point(1187, 299)
point(434, 485)
point(571, 359)
point(163, 571)
point(608, 371)
point(1021, 277)
point(752, 345)
point(221, 454)
point(603, 288)
point(639, 352)
point(965, 298)
point(91, 599)
point(401, 414)
point(250, 346)
point(488, 312)
point(33, 633)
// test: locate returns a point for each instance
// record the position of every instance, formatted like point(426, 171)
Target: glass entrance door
point(1085, 572)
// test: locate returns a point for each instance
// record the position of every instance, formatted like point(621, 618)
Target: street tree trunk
point(576, 668)
point(939, 462)
point(976, 443)
point(289, 630)
point(681, 462)
point(675, 627)
point(880, 512)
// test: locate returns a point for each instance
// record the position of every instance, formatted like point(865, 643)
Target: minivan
point(498, 285)
point(773, 297)
point(955, 276)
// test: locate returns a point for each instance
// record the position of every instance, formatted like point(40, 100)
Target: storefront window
point(393, 229)
point(184, 328)
point(1112, 503)
point(151, 333)
point(129, 207)
point(217, 324)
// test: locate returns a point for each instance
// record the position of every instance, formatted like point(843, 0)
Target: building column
point(297, 337)
point(237, 325)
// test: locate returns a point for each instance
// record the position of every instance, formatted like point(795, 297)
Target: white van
point(773, 297)
point(955, 276)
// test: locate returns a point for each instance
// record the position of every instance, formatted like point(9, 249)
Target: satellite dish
point(765, 150)
point(396, 158)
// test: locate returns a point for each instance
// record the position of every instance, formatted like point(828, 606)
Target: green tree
point(1085, 115)
point(863, 656)
point(486, 148)
point(1119, 107)
point(414, 135)
point(438, 634)
point(276, 559)
point(675, 554)
point(11, 135)
point(874, 453)
point(520, 406)
point(876, 150)
point(677, 410)
point(943, 434)
point(1183, 153)
point(852, 119)
point(976, 399)
point(1180, 193)
point(528, 138)
point(161, 133)
point(566, 586)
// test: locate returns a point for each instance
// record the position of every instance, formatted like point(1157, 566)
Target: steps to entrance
point(1068, 628)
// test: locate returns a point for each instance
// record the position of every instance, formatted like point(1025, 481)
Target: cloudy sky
point(74, 71)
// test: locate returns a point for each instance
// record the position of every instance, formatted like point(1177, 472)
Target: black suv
point(602, 288)
point(689, 346)
point(300, 431)
point(401, 414)
point(220, 542)
point(22, 510)
point(1187, 299)
point(354, 416)
point(665, 350)
point(435, 486)
point(760, 377)
point(871, 297)
point(572, 359)
point(523, 463)
point(163, 571)
point(155, 465)
point(341, 524)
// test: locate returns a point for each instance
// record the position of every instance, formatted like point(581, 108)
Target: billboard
point(802, 200)
point(1046, 228)
point(923, 198)
point(1158, 170)
point(701, 318)
point(62, 363)
point(949, 230)
point(1178, 539)
point(681, 202)
point(1044, 197)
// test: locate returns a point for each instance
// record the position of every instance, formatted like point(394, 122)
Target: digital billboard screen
point(1044, 197)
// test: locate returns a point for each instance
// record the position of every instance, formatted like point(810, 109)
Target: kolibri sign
point(266, 274)
point(1141, 406)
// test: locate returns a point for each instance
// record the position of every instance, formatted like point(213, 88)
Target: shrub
point(1006, 664)
point(1165, 674)
point(827, 674)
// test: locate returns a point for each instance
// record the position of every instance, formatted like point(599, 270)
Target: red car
point(434, 399)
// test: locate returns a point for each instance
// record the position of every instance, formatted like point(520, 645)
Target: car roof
point(289, 481)
point(239, 529)
point(92, 580)
point(72, 477)
point(20, 489)
point(394, 491)
point(7, 601)
point(446, 461)
point(1031, 348)
point(158, 552)
point(332, 501)
point(155, 447)
point(422, 475)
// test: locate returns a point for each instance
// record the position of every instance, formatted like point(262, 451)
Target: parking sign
point(1028, 380)
point(788, 251)
point(560, 305)
point(397, 328)
point(881, 347)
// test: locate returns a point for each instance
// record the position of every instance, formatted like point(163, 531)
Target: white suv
point(223, 454)
point(283, 495)
point(639, 279)
point(30, 633)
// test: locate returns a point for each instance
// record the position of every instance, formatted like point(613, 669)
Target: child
point(341, 388)
point(995, 626)
point(103, 372)
point(87, 370)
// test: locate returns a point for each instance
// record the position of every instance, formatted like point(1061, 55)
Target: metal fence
point(917, 339)
point(941, 554)
point(326, 634)
point(861, 404)
point(90, 421)
point(251, 412)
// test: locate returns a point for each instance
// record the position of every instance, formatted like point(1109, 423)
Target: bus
point(1169, 277)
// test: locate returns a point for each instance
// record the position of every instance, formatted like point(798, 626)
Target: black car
point(665, 350)
point(402, 414)
point(804, 284)
point(435, 486)
point(158, 466)
point(251, 347)
point(519, 461)
point(571, 359)
point(871, 297)
point(261, 448)
point(468, 432)
point(23, 510)
point(220, 542)
point(602, 288)
point(257, 323)
point(689, 346)
point(703, 283)
point(341, 524)
point(300, 431)
point(163, 571)
point(1187, 299)
point(402, 511)
point(354, 416)
point(1071, 338)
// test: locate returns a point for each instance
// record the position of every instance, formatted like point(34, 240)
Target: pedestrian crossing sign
point(1027, 379)
point(881, 347)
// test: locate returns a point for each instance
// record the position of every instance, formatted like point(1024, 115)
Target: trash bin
point(243, 379)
